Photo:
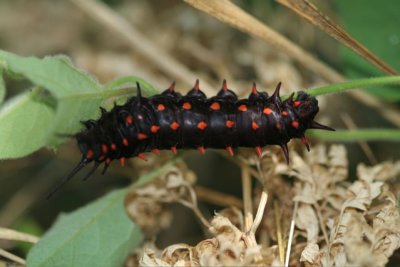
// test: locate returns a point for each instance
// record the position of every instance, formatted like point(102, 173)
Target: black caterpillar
point(172, 121)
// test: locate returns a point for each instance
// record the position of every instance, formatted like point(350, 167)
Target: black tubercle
point(172, 121)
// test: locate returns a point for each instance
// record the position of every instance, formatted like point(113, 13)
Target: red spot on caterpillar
point(104, 148)
point(154, 129)
point(295, 124)
point(258, 151)
point(224, 86)
point(215, 106)
point(156, 151)
point(108, 161)
point(173, 149)
point(230, 150)
point(254, 89)
point(89, 153)
point(267, 111)
point(197, 85)
point(201, 149)
point(125, 142)
point(113, 147)
point(278, 125)
point(102, 157)
point(122, 161)
point(186, 106)
point(284, 113)
point(142, 156)
point(254, 125)
point(202, 125)
point(296, 104)
point(142, 136)
point(129, 120)
point(242, 108)
point(160, 107)
point(174, 126)
point(229, 124)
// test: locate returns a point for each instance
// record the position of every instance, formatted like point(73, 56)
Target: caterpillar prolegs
point(172, 121)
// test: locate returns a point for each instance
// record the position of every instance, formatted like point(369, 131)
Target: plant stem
point(339, 87)
point(247, 201)
point(357, 135)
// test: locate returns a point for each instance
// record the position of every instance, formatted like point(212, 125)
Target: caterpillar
point(172, 121)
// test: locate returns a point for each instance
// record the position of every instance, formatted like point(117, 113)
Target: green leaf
point(75, 96)
point(22, 120)
point(376, 25)
point(99, 234)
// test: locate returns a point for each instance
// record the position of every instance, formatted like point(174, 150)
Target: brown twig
point(247, 199)
point(217, 198)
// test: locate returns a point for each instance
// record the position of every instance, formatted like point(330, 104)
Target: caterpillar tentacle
point(170, 121)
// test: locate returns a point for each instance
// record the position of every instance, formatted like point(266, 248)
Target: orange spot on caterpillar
point(267, 111)
point(258, 151)
point(154, 129)
point(186, 106)
point(129, 119)
point(104, 148)
point(125, 142)
point(295, 124)
point(173, 149)
point(122, 161)
point(142, 156)
point(230, 150)
point(113, 147)
point(296, 104)
point(142, 136)
point(229, 124)
point(156, 151)
point(174, 126)
point(201, 149)
point(108, 161)
point(284, 113)
point(89, 153)
point(242, 108)
point(202, 125)
point(215, 106)
point(160, 107)
point(254, 125)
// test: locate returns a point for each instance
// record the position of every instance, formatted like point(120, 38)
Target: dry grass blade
point(12, 257)
point(10, 234)
point(231, 14)
point(139, 42)
point(310, 12)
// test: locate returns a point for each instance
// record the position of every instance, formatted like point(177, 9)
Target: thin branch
point(279, 232)
point(247, 200)
point(291, 233)
point(217, 198)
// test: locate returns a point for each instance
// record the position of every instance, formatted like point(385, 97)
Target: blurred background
point(170, 40)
